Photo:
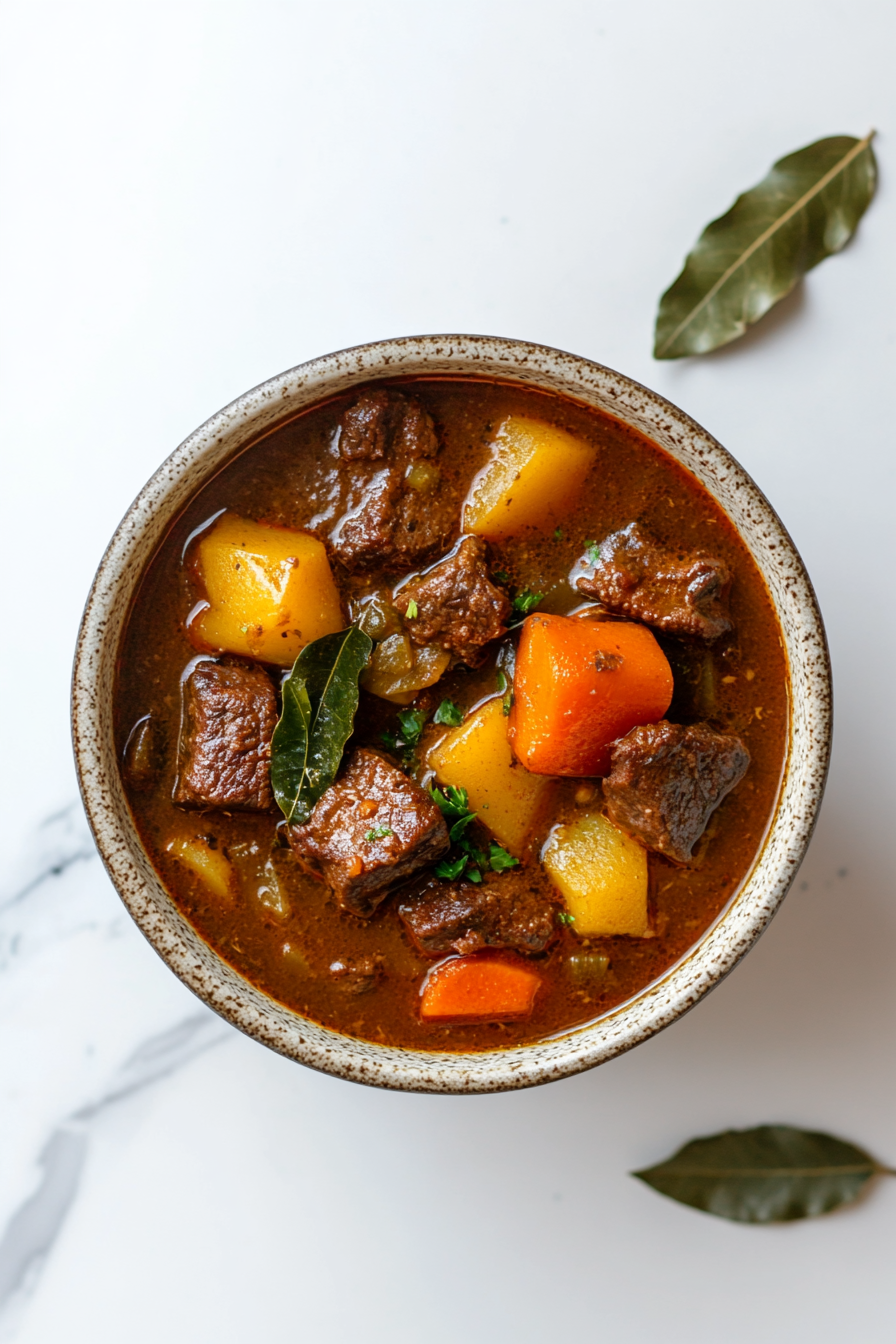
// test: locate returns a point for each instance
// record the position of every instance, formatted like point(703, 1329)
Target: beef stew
point(514, 558)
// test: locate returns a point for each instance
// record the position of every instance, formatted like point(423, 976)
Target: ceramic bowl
point(680, 988)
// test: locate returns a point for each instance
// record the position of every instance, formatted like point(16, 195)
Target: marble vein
point(34, 1227)
point(89, 1018)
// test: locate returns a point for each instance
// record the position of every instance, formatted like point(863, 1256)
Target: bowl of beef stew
point(451, 713)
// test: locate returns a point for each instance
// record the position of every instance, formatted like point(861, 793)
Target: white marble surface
point(197, 196)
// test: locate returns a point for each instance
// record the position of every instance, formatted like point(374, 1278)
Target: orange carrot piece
point(481, 988)
point(579, 685)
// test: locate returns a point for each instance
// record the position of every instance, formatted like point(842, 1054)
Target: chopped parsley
point(412, 611)
point(522, 604)
point(451, 868)
point(592, 552)
point(501, 576)
point(558, 533)
point(448, 713)
point(499, 859)
point(451, 802)
point(378, 833)
point(412, 722)
point(410, 725)
point(564, 917)
point(470, 862)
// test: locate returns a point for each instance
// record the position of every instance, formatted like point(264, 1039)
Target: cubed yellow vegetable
point(534, 473)
point(211, 866)
point(397, 670)
point(602, 874)
point(477, 757)
point(270, 591)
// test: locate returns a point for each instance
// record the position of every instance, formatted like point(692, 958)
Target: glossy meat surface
point(506, 910)
point(229, 715)
point(371, 829)
point(458, 607)
point(388, 441)
point(679, 592)
point(667, 780)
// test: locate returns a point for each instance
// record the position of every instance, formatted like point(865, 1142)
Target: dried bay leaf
point(320, 699)
point(771, 1174)
point(807, 208)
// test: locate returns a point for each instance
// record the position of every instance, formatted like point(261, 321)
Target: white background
point(201, 194)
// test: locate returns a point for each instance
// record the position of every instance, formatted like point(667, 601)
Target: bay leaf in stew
point(320, 699)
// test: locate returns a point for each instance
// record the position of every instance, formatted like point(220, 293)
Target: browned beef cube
point(369, 831)
point(506, 910)
point(390, 513)
point(229, 716)
point(681, 593)
point(366, 428)
point(667, 780)
point(458, 607)
point(357, 975)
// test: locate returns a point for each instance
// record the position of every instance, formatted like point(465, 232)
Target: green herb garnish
point(378, 833)
point(558, 533)
point(448, 713)
point(564, 917)
point(451, 802)
point(471, 861)
point(413, 611)
point(592, 552)
point(451, 868)
point(525, 602)
point(412, 722)
point(499, 859)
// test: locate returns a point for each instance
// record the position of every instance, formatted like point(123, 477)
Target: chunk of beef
point(390, 514)
point(506, 910)
point(667, 780)
point(369, 831)
point(683, 594)
point(229, 715)
point(367, 428)
point(357, 975)
point(458, 607)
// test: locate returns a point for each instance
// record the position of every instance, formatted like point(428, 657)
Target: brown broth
point(286, 478)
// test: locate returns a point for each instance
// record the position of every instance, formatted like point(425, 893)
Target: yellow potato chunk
point(602, 874)
point(211, 866)
point(397, 671)
point(270, 591)
point(533, 474)
point(477, 757)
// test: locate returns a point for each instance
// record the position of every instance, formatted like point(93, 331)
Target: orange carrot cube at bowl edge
point(578, 686)
point(534, 472)
point(480, 988)
point(270, 591)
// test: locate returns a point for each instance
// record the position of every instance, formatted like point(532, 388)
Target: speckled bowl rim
point(194, 961)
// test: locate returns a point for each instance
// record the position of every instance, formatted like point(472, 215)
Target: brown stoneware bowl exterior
point(198, 966)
